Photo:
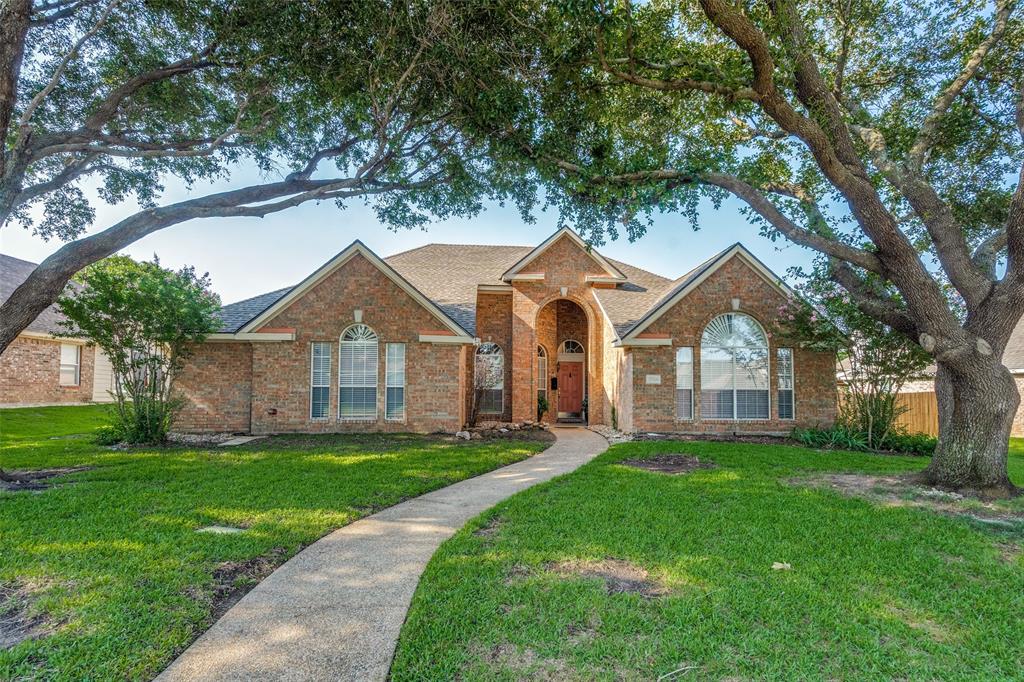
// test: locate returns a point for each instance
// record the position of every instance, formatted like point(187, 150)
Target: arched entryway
point(562, 360)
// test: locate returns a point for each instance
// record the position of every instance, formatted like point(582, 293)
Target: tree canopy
point(332, 101)
point(887, 136)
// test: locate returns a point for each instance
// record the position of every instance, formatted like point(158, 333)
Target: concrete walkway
point(334, 611)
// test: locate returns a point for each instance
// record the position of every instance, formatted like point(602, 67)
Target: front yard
point(103, 575)
point(741, 571)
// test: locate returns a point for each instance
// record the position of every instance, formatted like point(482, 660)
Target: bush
point(108, 434)
point(911, 443)
point(842, 437)
point(839, 437)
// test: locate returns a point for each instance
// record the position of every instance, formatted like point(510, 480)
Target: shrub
point(842, 437)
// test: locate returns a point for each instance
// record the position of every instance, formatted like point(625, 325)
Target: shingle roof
point(14, 271)
point(448, 274)
point(234, 315)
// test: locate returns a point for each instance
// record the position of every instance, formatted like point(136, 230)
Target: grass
point(115, 571)
point(874, 592)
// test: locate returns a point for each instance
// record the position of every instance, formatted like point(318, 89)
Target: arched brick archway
point(569, 376)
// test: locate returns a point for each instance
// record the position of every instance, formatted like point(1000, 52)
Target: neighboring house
point(919, 396)
point(42, 369)
point(393, 344)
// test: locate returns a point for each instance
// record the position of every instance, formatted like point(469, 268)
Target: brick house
point(40, 368)
point(428, 338)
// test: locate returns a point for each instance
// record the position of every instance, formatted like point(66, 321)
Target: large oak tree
point(331, 100)
point(885, 135)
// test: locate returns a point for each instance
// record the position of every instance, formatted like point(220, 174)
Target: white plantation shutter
point(684, 383)
point(734, 369)
point(394, 382)
point(320, 380)
point(357, 374)
point(784, 370)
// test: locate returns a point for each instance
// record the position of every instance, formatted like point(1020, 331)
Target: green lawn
point(874, 591)
point(110, 557)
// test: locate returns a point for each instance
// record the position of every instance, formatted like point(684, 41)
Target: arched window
point(734, 369)
point(357, 373)
point(571, 347)
point(489, 378)
point(542, 372)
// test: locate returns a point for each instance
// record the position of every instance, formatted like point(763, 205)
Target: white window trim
point(792, 379)
point(327, 414)
point(78, 365)
point(693, 415)
point(403, 386)
point(376, 381)
point(542, 379)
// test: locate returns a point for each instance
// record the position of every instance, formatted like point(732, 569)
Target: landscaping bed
point(749, 570)
point(103, 574)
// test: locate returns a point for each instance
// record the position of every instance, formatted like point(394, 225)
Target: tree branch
point(870, 302)
point(14, 22)
point(926, 136)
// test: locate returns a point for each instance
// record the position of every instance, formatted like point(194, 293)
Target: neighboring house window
point(734, 369)
point(784, 370)
point(70, 364)
point(320, 380)
point(542, 372)
point(489, 379)
point(394, 382)
point(357, 373)
point(684, 383)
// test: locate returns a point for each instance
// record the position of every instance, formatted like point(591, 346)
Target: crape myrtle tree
point(332, 101)
point(885, 135)
point(876, 361)
point(147, 320)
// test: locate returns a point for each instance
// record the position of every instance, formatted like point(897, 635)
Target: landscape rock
point(465, 435)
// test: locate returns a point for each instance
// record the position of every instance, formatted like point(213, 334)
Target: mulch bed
point(669, 464)
point(34, 479)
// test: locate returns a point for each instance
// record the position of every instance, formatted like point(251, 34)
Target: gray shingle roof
point(14, 271)
point(234, 315)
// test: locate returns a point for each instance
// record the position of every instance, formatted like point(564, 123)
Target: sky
point(250, 256)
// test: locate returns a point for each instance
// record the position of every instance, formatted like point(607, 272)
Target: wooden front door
point(570, 389)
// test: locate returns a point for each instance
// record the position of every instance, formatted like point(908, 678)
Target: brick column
point(524, 347)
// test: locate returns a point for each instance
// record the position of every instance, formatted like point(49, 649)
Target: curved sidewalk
point(334, 611)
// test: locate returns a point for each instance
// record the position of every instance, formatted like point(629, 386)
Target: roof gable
point(289, 296)
point(687, 283)
point(613, 272)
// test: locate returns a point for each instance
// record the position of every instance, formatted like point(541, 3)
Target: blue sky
point(249, 256)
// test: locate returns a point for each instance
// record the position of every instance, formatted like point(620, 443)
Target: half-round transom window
point(359, 332)
point(571, 346)
point(734, 369)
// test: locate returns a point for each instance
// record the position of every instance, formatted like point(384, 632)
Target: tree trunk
point(977, 402)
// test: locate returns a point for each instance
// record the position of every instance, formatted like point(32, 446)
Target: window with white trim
point(734, 369)
point(542, 372)
point(319, 379)
point(489, 378)
point(784, 378)
point(357, 373)
point(394, 382)
point(70, 364)
point(684, 383)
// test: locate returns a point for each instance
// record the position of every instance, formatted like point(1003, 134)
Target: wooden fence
point(922, 415)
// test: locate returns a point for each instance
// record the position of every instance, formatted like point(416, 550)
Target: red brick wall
point(654, 405)
point(280, 371)
point(216, 384)
point(547, 336)
point(30, 374)
point(565, 265)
